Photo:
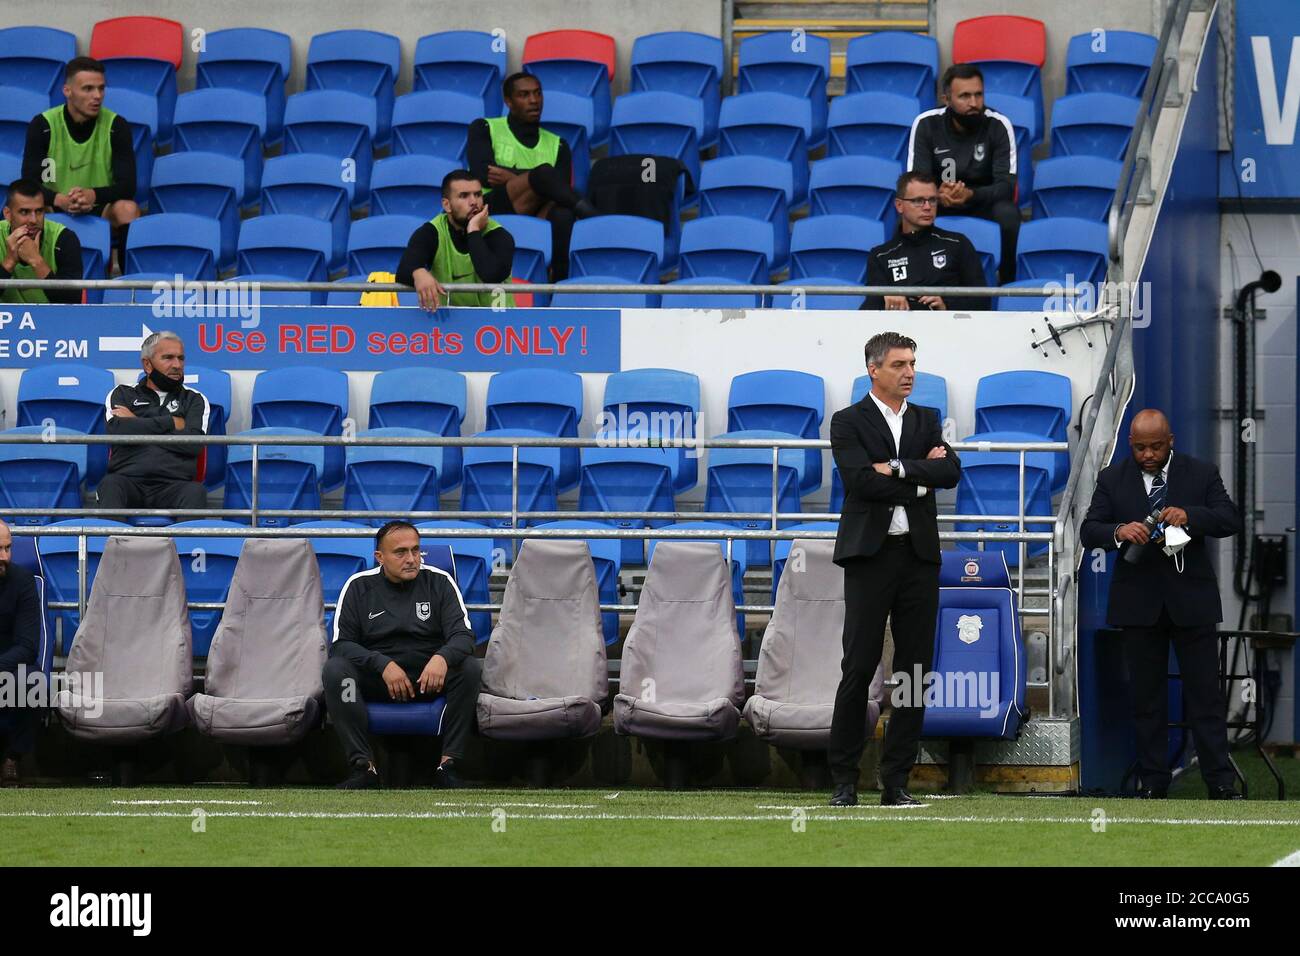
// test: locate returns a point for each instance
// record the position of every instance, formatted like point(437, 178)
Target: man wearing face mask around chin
point(163, 475)
point(971, 150)
point(1157, 596)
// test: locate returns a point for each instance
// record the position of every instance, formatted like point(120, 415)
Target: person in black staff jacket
point(891, 456)
point(155, 476)
point(20, 634)
point(1159, 599)
point(920, 253)
point(972, 152)
point(401, 632)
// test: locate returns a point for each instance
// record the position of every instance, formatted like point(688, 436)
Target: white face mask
point(1175, 540)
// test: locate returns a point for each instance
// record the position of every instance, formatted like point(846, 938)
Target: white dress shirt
point(894, 419)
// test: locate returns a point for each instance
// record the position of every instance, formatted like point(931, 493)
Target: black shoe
point(446, 778)
point(845, 795)
point(1153, 793)
point(366, 778)
point(898, 797)
point(1225, 793)
point(585, 210)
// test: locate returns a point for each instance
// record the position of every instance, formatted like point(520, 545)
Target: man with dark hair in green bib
point(36, 249)
point(460, 244)
point(527, 169)
point(81, 153)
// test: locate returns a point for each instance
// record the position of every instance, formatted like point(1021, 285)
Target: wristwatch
point(895, 466)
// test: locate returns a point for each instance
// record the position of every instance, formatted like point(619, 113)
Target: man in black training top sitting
point(525, 168)
point(920, 254)
point(460, 244)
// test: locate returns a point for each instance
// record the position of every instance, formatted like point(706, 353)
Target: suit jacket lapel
point(868, 406)
point(911, 429)
point(1136, 486)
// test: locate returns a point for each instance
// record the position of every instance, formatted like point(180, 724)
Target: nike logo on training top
point(375, 614)
point(139, 403)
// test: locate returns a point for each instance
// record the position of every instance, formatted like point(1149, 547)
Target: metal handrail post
point(82, 574)
point(253, 494)
point(776, 457)
point(514, 498)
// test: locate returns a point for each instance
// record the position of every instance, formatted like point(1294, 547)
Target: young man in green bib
point(36, 249)
point(460, 244)
point(81, 153)
point(527, 169)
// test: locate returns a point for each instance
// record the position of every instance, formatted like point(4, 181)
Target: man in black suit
point(1159, 599)
point(890, 455)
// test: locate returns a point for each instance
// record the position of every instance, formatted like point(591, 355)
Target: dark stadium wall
point(1176, 358)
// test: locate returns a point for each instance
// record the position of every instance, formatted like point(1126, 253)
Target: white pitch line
point(1292, 859)
point(188, 803)
point(826, 817)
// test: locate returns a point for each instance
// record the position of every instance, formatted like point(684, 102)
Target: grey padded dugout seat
point(799, 663)
point(545, 676)
point(263, 686)
point(682, 676)
point(136, 633)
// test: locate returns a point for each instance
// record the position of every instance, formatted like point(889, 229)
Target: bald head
point(6, 548)
point(1150, 439)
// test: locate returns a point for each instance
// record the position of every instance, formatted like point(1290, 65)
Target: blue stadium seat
point(659, 124)
point(287, 245)
point(95, 236)
point(1080, 187)
point(1008, 303)
point(155, 79)
point(278, 297)
point(40, 475)
point(1060, 247)
point(339, 559)
point(434, 123)
point(834, 246)
point(474, 562)
point(573, 119)
point(780, 400)
point(893, 62)
point(376, 244)
point(334, 123)
point(601, 300)
point(207, 566)
point(358, 61)
point(391, 480)
point(288, 477)
point(408, 185)
point(660, 403)
point(712, 300)
point(811, 300)
point(202, 184)
point(539, 399)
point(532, 246)
point(315, 399)
point(928, 389)
point(990, 485)
point(141, 115)
point(716, 532)
point(871, 124)
point(135, 296)
point(463, 61)
point(404, 299)
point(685, 63)
point(17, 107)
point(774, 63)
point(977, 638)
point(307, 184)
point(752, 186)
point(1010, 52)
point(581, 71)
point(1026, 134)
point(11, 166)
point(250, 60)
point(486, 479)
point(740, 480)
point(775, 125)
point(229, 122)
point(72, 396)
point(34, 58)
point(781, 549)
point(1109, 61)
point(984, 235)
point(628, 479)
point(855, 186)
point(1093, 124)
point(631, 247)
point(1056, 466)
point(425, 397)
point(735, 247)
point(607, 559)
point(214, 383)
point(1037, 402)
point(60, 562)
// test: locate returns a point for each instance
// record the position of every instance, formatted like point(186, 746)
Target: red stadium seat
point(1018, 39)
point(571, 45)
point(152, 38)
